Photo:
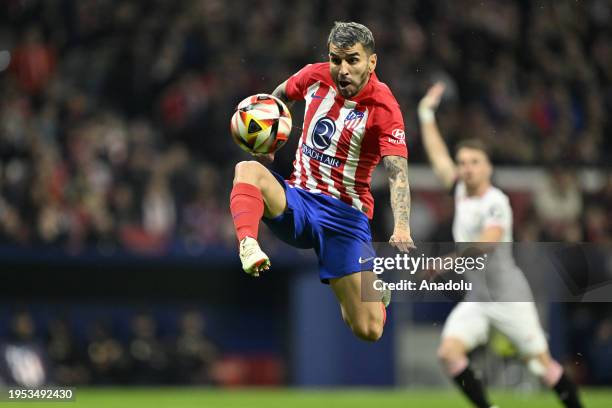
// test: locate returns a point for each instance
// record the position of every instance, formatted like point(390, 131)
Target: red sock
point(384, 310)
point(247, 207)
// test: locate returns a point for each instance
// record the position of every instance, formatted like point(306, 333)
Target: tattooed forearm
point(397, 170)
point(281, 93)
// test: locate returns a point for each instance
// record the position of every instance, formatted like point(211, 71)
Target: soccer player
point(483, 215)
point(351, 122)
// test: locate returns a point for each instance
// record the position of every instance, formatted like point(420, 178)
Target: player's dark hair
point(475, 144)
point(345, 35)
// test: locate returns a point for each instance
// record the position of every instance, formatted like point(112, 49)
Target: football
point(261, 124)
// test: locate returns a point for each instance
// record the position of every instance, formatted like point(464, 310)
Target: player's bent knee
point(453, 357)
point(370, 333)
point(247, 167)
point(449, 352)
point(443, 353)
point(248, 172)
point(371, 330)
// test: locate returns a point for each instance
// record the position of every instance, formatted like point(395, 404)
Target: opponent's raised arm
point(397, 170)
point(435, 147)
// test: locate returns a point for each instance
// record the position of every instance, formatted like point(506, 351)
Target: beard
point(351, 87)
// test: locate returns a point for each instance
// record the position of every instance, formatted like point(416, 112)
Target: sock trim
point(246, 189)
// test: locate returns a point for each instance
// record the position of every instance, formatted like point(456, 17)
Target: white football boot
point(253, 259)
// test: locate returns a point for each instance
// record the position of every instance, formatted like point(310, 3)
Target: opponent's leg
point(365, 318)
point(453, 356)
point(256, 192)
point(552, 374)
point(519, 322)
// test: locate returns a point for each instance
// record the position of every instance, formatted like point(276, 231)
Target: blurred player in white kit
point(483, 215)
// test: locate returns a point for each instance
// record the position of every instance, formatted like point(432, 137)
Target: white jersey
point(492, 301)
point(502, 280)
point(475, 213)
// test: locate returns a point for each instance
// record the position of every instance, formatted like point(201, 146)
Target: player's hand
point(431, 100)
point(264, 158)
point(402, 240)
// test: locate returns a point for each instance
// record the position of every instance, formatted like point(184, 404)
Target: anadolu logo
point(323, 132)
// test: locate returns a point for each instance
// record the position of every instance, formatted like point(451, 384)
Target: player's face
point(474, 167)
point(350, 68)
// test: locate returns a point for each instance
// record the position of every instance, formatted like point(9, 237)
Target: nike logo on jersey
point(364, 260)
point(313, 96)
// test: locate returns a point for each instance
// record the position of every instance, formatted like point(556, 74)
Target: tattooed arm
point(281, 94)
point(397, 170)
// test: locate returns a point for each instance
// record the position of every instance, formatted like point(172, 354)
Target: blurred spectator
point(597, 224)
point(33, 61)
point(597, 220)
point(106, 356)
point(147, 354)
point(194, 354)
point(558, 203)
point(601, 353)
point(66, 357)
point(23, 360)
point(159, 209)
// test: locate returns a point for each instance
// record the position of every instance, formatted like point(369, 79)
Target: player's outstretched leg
point(453, 356)
point(256, 192)
point(365, 318)
point(552, 374)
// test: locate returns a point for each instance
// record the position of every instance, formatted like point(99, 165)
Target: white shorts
point(470, 321)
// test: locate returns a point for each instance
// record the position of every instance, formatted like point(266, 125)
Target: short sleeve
point(392, 136)
point(297, 84)
point(497, 214)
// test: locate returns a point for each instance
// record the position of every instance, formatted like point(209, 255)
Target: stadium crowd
point(114, 114)
point(34, 354)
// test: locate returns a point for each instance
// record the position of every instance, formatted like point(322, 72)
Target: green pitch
point(285, 398)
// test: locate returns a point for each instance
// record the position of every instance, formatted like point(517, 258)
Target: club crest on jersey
point(353, 115)
point(323, 133)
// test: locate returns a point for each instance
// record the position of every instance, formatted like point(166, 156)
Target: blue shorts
point(339, 233)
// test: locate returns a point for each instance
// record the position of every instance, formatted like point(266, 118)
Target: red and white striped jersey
point(342, 139)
